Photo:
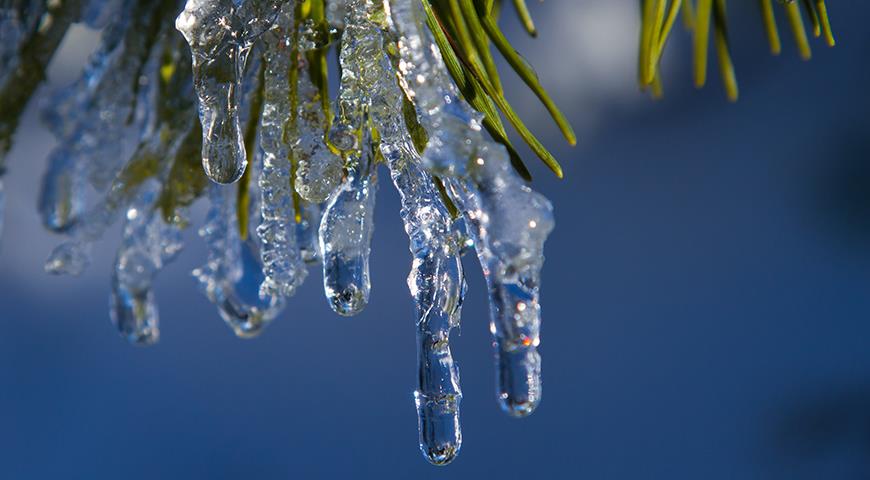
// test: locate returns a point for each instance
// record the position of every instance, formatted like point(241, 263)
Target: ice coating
point(149, 243)
point(319, 170)
point(436, 279)
point(303, 199)
point(359, 54)
point(232, 276)
point(73, 256)
point(220, 34)
point(507, 221)
point(153, 157)
point(345, 238)
point(93, 116)
point(282, 264)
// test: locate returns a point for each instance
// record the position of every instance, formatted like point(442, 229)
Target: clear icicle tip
point(345, 244)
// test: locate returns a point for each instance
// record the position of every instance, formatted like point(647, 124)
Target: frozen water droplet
point(344, 137)
point(440, 435)
point(345, 240)
point(318, 174)
point(212, 30)
point(69, 258)
point(519, 381)
point(240, 302)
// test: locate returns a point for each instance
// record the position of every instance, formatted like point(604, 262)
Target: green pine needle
point(699, 16)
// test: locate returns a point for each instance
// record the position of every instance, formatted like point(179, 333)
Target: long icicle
point(347, 225)
point(283, 267)
point(508, 221)
point(436, 280)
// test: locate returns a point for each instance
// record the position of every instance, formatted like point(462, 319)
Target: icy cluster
point(235, 91)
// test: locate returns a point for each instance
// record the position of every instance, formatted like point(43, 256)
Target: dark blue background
point(706, 301)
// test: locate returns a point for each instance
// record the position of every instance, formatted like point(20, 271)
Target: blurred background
point(706, 298)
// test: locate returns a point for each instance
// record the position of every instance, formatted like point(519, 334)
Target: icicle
point(357, 79)
point(436, 280)
point(345, 238)
point(282, 265)
point(232, 276)
point(511, 223)
point(507, 221)
point(94, 115)
point(437, 283)
point(153, 157)
point(347, 225)
point(220, 34)
point(149, 243)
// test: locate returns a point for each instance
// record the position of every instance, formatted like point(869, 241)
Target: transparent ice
point(436, 279)
point(346, 235)
point(236, 85)
point(220, 34)
point(319, 171)
point(93, 115)
point(232, 276)
point(148, 244)
point(507, 221)
point(347, 225)
point(282, 263)
point(153, 157)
